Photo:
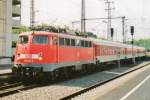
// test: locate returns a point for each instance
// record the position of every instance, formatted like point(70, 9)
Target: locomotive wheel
point(63, 73)
point(14, 71)
point(66, 73)
point(85, 68)
point(17, 72)
point(72, 71)
point(54, 75)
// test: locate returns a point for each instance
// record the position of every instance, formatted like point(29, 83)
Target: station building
point(10, 16)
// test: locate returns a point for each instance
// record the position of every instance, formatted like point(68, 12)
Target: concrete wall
point(5, 29)
point(14, 38)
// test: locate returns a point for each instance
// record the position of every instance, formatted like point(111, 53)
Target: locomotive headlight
point(40, 58)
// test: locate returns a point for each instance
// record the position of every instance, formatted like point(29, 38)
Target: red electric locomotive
point(47, 52)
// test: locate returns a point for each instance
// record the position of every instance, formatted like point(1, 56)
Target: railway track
point(17, 87)
point(10, 84)
point(69, 97)
point(9, 88)
point(6, 79)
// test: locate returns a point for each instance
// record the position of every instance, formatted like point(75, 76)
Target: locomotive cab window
point(23, 39)
point(50, 40)
point(55, 41)
point(40, 39)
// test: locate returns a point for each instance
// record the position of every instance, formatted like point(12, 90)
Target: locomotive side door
point(54, 49)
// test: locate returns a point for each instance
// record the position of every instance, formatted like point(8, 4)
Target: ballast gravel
point(57, 91)
point(43, 93)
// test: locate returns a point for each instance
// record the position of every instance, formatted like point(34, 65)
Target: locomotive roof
point(52, 33)
point(34, 32)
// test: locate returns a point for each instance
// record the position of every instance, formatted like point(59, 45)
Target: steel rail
point(10, 85)
point(17, 89)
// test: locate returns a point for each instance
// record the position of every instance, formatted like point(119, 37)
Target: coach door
point(125, 53)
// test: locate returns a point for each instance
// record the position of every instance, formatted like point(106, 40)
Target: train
point(40, 52)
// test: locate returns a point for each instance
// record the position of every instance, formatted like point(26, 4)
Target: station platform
point(134, 87)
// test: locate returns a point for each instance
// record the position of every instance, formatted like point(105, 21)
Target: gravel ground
point(43, 93)
point(57, 91)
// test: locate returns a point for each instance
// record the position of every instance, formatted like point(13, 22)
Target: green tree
point(143, 42)
point(20, 29)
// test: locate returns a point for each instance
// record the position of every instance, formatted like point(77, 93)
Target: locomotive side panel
point(67, 54)
point(73, 51)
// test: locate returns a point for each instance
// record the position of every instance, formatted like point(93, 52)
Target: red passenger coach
point(49, 52)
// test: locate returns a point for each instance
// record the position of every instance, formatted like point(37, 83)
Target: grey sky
point(63, 12)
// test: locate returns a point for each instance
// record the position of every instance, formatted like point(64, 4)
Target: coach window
point(78, 43)
point(104, 51)
point(61, 41)
point(67, 42)
point(90, 44)
point(82, 43)
point(86, 43)
point(73, 42)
